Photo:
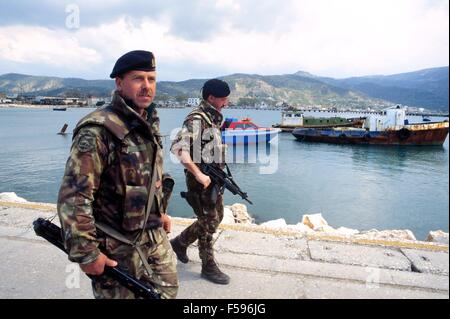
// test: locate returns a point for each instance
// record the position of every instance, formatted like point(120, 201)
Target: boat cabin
point(235, 124)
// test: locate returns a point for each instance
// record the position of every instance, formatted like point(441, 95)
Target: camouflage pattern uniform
point(202, 124)
point(105, 189)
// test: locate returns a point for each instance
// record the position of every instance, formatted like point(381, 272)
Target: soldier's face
point(218, 102)
point(138, 86)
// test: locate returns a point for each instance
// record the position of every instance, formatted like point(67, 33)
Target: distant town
point(30, 100)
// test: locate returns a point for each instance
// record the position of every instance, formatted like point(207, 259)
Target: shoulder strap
point(151, 193)
point(202, 115)
point(107, 118)
point(108, 230)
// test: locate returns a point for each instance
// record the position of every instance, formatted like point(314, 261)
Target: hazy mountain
point(248, 89)
point(425, 88)
point(54, 86)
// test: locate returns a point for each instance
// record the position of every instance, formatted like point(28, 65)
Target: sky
point(210, 38)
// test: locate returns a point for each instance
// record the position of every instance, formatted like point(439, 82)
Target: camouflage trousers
point(160, 257)
point(209, 212)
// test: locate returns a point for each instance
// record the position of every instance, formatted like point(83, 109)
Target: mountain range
point(426, 88)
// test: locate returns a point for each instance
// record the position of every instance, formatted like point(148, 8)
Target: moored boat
point(290, 120)
point(244, 131)
point(392, 130)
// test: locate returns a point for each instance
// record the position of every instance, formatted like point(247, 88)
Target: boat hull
point(419, 134)
point(236, 137)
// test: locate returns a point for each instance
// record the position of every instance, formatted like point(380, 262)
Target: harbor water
point(356, 186)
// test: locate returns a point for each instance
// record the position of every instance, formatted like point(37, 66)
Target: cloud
point(201, 39)
point(23, 44)
point(352, 37)
point(190, 20)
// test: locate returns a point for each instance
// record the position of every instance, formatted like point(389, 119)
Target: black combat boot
point(211, 272)
point(179, 250)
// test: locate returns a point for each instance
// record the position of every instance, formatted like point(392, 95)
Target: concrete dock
point(262, 264)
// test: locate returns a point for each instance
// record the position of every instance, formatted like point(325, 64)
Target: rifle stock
point(52, 233)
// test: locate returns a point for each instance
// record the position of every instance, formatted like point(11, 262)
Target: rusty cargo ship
point(393, 129)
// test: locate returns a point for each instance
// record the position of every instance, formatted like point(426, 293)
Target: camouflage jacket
point(107, 177)
point(201, 136)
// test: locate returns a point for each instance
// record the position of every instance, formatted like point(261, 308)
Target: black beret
point(216, 88)
point(134, 60)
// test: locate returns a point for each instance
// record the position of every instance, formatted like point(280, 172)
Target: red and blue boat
point(244, 131)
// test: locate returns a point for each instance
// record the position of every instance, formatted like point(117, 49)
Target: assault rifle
point(223, 179)
point(52, 233)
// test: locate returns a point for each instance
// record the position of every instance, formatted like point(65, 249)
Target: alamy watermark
point(73, 278)
point(373, 279)
point(73, 16)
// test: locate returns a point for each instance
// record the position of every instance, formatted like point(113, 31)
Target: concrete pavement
point(261, 263)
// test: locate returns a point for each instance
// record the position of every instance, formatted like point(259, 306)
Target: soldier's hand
point(98, 266)
point(203, 179)
point(167, 222)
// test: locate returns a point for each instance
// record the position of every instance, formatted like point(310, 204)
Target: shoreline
point(40, 106)
point(233, 107)
point(312, 227)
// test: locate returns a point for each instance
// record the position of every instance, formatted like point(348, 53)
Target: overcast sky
point(209, 38)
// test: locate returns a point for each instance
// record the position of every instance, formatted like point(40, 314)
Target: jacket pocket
point(134, 207)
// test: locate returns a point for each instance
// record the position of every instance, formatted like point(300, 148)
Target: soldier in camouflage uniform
point(200, 141)
point(110, 200)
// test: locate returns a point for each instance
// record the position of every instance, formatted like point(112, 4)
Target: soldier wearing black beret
point(215, 87)
point(205, 198)
point(134, 60)
point(112, 203)
point(135, 76)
